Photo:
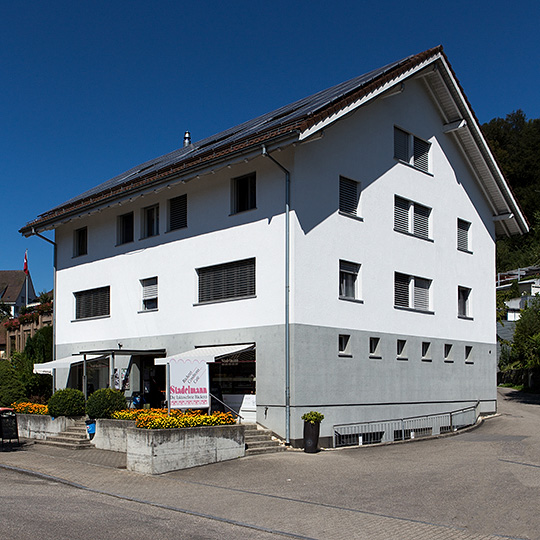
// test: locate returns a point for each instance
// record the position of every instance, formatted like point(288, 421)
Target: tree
point(11, 388)
point(515, 142)
point(526, 345)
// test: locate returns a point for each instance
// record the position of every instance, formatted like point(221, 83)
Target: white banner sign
point(189, 383)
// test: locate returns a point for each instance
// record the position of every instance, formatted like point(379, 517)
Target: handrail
point(410, 417)
point(223, 403)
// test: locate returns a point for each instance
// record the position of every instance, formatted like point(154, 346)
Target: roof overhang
point(459, 122)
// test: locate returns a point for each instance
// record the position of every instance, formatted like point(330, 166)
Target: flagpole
point(26, 274)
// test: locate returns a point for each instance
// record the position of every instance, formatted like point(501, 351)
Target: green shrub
point(11, 388)
point(313, 417)
point(102, 403)
point(66, 402)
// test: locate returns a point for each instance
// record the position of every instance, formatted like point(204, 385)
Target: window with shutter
point(411, 149)
point(348, 280)
point(411, 292)
point(349, 196)
point(463, 235)
point(178, 213)
point(401, 290)
point(227, 281)
point(125, 229)
point(149, 293)
point(421, 154)
point(401, 214)
point(92, 303)
point(401, 144)
point(411, 218)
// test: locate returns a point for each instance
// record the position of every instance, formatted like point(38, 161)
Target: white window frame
point(121, 237)
point(412, 218)
point(80, 242)
point(244, 193)
point(150, 221)
point(464, 302)
point(349, 281)
point(149, 294)
point(412, 150)
point(410, 293)
point(344, 345)
point(375, 347)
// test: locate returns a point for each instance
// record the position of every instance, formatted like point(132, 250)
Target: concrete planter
point(112, 434)
point(156, 451)
point(37, 426)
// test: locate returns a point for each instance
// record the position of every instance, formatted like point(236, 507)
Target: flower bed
point(159, 419)
point(30, 408)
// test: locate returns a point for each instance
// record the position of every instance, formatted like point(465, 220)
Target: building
point(13, 291)
point(334, 251)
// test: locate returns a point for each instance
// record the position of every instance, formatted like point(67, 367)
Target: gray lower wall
point(351, 388)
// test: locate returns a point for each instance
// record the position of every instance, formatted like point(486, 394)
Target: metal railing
point(414, 427)
point(240, 417)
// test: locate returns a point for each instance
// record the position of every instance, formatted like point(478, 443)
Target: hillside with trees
point(515, 141)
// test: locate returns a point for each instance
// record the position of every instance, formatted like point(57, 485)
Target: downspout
point(287, 297)
point(35, 233)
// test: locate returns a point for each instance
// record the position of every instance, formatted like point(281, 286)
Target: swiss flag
point(25, 267)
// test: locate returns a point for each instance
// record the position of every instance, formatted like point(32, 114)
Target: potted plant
point(312, 422)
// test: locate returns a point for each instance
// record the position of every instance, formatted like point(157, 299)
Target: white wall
point(213, 236)
point(360, 147)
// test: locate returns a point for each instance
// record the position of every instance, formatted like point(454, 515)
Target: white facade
point(437, 358)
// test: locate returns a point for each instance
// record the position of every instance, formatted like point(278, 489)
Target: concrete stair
point(260, 441)
point(73, 438)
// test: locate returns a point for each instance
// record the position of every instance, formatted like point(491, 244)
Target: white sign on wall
point(189, 383)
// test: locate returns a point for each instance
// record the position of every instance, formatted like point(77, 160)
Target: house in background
point(330, 255)
point(13, 290)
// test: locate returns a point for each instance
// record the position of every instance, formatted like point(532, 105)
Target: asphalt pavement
point(479, 484)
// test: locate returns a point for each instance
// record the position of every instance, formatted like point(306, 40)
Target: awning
point(46, 368)
point(206, 354)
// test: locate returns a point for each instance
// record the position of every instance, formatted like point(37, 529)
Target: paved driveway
point(481, 484)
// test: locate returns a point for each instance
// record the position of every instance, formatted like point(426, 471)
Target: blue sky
point(90, 89)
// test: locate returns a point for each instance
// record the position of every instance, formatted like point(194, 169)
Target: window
point(92, 303)
point(375, 347)
point(411, 149)
point(426, 351)
point(401, 346)
point(125, 228)
point(463, 302)
point(463, 235)
point(80, 242)
point(344, 345)
point(348, 280)
point(468, 352)
point(178, 213)
point(243, 193)
point(411, 218)
point(149, 294)
point(349, 196)
point(227, 281)
point(448, 355)
point(150, 221)
point(411, 292)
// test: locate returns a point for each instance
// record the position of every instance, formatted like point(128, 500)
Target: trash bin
point(90, 428)
point(9, 430)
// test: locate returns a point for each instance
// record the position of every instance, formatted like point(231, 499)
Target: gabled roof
point(304, 118)
point(11, 284)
